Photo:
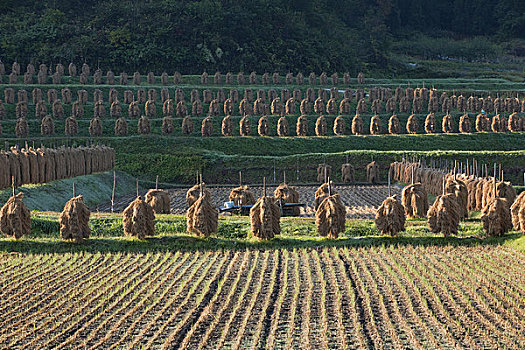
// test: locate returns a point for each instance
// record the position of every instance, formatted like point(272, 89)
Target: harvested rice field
point(321, 298)
point(361, 201)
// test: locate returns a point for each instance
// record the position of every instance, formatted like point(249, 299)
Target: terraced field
point(361, 201)
point(326, 298)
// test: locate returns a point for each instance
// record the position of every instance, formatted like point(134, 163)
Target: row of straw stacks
point(461, 192)
point(42, 165)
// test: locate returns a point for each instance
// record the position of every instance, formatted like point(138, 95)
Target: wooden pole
point(495, 180)
point(13, 184)
point(389, 187)
point(264, 186)
point(74, 189)
point(137, 183)
point(113, 192)
point(157, 182)
point(329, 188)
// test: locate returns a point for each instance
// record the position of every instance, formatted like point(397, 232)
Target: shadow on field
point(42, 245)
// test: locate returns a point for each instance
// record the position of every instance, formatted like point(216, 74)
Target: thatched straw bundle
point(288, 194)
point(150, 78)
point(357, 125)
point(276, 78)
point(312, 78)
point(323, 79)
point(196, 108)
point(459, 189)
point(265, 79)
point(283, 127)
point(159, 201)
point(72, 69)
point(128, 97)
point(245, 108)
point(245, 127)
point(394, 126)
point(21, 128)
point(57, 109)
point(390, 106)
point(214, 109)
point(361, 106)
point(152, 95)
point(167, 126)
point(390, 217)
point(37, 95)
point(95, 127)
point(194, 193)
point(177, 78)
point(21, 110)
point(331, 106)
point(461, 104)
point(253, 78)
point(412, 124)
point(430, 123)
point(202, 219)
point(344, 106)
point(464, 124)
point(277, 107)
point(301, 127)
point(136, 78)
point(319, 106)
point(204, 78)
point(227, 126)
point(310, 95)
point(242, 196)
point(265, 218)
point(433, 105)
point(339, 125)
point(110, 78)
point(415, 201)
point(74, 220)
point(47, 126)
point(181, 109)
point(323, 192)
point(347, 173)
point(22, 96)
point(518, 213)
point(360, 78)
point(346, 78)
point(259, 107)
point(15, 218)
point(240, 78)
point(9, 95)
point(66, 96)
point(228, 107)
point(482, 123)
point(2, 110)
point(376, 106)
point(83, 78)
point(97, 77)
point(71, 126)
point(134, 110)
point(115, 110)
point(417, 105)
point(299, 78)
point(234, 96)
point(496, 123)
point(141, 96)
point(448, 124)
point(263, 127)
point(288, 79)
point(330, 217)
point(290, 106)
point(121, 127)
point(144, 126)
point(99, 110)
point(305, 107)
point(496, 217)
point(372, 172)
point(138, 219)
point(217, 78)
point(444, 215)
point(375, 125)
point(207, 127)
point(514, 123)
point(321, 126)
point(324, 171)
point(123, 79)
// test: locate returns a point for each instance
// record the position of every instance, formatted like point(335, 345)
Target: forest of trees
point(262, 35)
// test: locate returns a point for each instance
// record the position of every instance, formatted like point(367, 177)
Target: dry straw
point(159, 200)
point(74, 220)
point(394, 126)
point(15, 218)
point(138, 219)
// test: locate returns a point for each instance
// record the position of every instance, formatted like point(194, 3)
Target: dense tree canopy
point(262, 35)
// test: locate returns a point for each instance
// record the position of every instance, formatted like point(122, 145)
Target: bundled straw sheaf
point(159, 200)
point(74, 220)
point(138, 219)
point(390, 217)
